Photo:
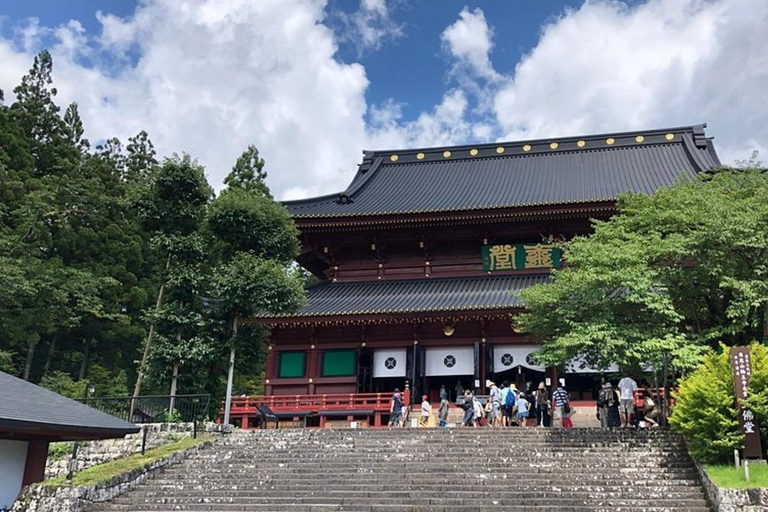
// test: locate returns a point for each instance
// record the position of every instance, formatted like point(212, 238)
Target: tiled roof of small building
point(29, 409)
point(415, 295)
point(568, 170)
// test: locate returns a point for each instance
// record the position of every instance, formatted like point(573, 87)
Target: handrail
point(311, 403)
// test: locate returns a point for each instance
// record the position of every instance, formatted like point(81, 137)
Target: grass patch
point(733, 477)
point(105, 472)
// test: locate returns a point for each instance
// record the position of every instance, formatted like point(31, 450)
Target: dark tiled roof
point(415, 295)
point(25, 407)
point(503, 175)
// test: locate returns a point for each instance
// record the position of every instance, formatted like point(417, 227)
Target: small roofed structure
point(30, 418)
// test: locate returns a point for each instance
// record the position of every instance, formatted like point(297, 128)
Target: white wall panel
point(450, 361)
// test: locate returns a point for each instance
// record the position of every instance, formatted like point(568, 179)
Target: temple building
point(418, 260)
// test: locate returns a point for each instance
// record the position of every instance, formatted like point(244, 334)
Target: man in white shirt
point(627, 386)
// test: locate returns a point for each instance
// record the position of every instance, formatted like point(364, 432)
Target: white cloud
point(212, 77)
point(609, 67)
point(370, 26)
point(470, 40)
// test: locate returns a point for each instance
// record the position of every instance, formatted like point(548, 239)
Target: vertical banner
point(741, 366)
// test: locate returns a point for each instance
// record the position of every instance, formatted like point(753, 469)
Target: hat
point(541, 385)
point(491, 384)
point(513, 386)
point(424, 397)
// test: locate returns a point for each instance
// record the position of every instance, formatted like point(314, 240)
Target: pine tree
point(248, 173)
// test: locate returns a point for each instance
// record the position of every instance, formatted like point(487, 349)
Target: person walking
point(469, 410)
point(508, 399)
point(479, 413)
point(605, 398)
point(560, 396)
point(650, 409)
point(442, 411)
point(522, 409)
point(395, 409)
point(426, 411)
point(542, 406)
point(627, 387)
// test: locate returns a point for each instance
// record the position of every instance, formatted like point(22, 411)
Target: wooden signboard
point(741, 365)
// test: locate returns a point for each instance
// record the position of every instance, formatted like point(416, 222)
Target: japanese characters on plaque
point(742, 374)
point(520, 256)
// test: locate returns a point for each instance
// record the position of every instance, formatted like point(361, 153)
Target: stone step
point(185, 495)
point(409, 508)
point(420, 504)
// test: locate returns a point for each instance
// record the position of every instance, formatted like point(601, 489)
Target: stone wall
point(90, 453)
point(37, 498)
point(733, 500)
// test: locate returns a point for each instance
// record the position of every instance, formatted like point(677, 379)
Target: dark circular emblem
point(529, 359)
point(390, 363)
point(507, 359)
point(449, 361)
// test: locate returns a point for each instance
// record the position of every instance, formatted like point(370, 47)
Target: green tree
point(258, 242)
point(705, 406)
point(173, 206)
point(668, 276)
point(248, 173)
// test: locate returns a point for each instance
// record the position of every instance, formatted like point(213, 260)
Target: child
point(426, 411)
point(522, 409)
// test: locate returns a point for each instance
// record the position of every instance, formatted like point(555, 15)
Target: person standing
point(560, 397)
point(508, 399)
point(627, 387)
point(395, 409)
point(605, 398)
point(459, 390)
point(479, 413)
point(442, 411)
point(495, 399)
point(406, 405)
point(542, 405)
point(426, 411)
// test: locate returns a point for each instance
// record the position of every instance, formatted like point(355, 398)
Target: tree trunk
point(231, 374)
point(664, 379)
point(49, 357)
point(84, 364)
point(150, 335)
point(30, 357)
point(174, 379)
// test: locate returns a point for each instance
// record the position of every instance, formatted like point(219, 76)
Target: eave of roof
point(515, 175)
point(412, 296)
point(28, 409)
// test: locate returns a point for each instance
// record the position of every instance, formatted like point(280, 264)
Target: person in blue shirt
point(522, 409)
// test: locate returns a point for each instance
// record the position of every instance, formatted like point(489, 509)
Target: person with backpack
point(395, 409)
point(562, 402)
point(605, 399)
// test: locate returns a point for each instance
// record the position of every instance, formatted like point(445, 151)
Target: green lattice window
point(292, 365)
point(339, 363)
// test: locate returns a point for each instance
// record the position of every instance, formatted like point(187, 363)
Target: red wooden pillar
point(34, 468)
point(377, 419)
point(313, 362)
point(270, 371)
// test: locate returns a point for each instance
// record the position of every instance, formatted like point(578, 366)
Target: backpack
point(509, 400)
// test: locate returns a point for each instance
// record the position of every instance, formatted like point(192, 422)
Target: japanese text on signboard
point(742, 374)
point(520, 256)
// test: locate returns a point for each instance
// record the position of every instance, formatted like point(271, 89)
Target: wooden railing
point(313, 403)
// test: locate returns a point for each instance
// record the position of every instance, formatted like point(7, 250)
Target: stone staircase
point(473, 469)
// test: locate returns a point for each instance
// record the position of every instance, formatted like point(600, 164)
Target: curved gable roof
point(502, 175)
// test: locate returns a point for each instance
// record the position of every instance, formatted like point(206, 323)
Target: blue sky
point(313, 82)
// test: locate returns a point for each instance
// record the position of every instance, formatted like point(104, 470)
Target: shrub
point(705, 410)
